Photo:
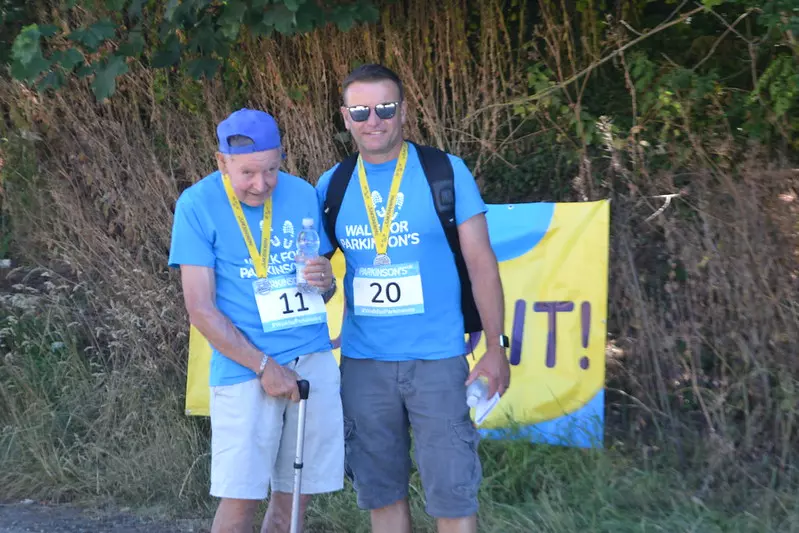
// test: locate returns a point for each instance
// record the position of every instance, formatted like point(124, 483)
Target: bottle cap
point(471, 401)
point(307, 222)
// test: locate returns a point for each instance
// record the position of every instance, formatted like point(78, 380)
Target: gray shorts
point(381, 402)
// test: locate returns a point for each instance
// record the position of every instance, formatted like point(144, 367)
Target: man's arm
point(199, 289)
point(481, 262)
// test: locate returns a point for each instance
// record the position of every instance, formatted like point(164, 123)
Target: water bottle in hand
point(477, 391)
point(307, 248)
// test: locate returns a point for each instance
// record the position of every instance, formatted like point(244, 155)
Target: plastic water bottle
point(307, 248)
point(477, 391)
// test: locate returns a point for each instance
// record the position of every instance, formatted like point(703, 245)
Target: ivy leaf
point(134, 46)
point(308, 17)
point(262, 28)
point(345, 22)
point(367, 12)
point(72, 59)
point(185, 14)
point(67, 59)
point(231, 19)
point(202, 66)
point(281, 19)
point(234, 11)
point(48, 30)
point(88, 69)
point(26, 53)
point(169, 12)
point(204, 40)
point(53, 80)
point(26, 46)
point(169, 54)
point(135, 9)
point(293, 5)
point(30, 71)
point(115, 5)
point(105, 83)
point(95, 34)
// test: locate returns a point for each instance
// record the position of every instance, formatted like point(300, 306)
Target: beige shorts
point(254, 436)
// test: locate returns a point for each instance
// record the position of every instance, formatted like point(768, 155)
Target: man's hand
point(495, 367)
point(280, 382)
point(319, 273)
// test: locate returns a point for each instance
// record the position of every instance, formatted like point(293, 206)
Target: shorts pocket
point(227, 391)
point(349, 428)
point(466, 367)
point(468, 474)
point(349, 433)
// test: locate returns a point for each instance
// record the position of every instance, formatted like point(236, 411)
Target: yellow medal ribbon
point(260, 261)
point(381, 234)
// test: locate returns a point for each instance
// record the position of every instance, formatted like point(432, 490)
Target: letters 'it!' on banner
point(553, 260)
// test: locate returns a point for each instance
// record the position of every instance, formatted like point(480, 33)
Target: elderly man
point(403, 365)
point(234, 240)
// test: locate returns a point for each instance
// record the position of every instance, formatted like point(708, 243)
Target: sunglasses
point(360, 113)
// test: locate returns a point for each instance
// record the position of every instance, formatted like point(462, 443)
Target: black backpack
point(438, 170)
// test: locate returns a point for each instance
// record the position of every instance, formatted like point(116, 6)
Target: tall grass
point(703, 385)
point(75, 425)
point(529, 488)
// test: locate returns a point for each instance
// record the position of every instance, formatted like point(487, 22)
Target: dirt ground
point(30, 517)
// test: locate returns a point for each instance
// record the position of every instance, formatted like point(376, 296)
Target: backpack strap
point(335, 195)
point(440, 177)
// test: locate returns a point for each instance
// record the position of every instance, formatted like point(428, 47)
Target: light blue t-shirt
point(205, 233)
point(418, 242)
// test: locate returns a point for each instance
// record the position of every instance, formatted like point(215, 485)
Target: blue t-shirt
point(205, 233)
point(416, 237)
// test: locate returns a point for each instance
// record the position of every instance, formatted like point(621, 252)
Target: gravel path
point(34, 517)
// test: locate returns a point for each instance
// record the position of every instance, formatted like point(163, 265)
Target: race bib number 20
point(388, 290)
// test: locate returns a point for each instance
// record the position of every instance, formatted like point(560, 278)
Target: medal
point(382, 259)
point(262, 286)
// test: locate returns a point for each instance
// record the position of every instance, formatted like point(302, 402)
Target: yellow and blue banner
point(553, 261)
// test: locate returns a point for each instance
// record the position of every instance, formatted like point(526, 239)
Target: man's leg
point(245, 437)
point(234, 516)
point(278, 513)
point(467, 524)
point(446, 442)
point(394, 517)
point(323, 445)
point(377, 441)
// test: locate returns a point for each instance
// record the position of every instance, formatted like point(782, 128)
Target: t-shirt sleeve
point(468, 201)
point(191, 243)
point(321, 193)
point(324, 243)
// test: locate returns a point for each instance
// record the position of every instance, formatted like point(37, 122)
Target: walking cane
point(305, 389)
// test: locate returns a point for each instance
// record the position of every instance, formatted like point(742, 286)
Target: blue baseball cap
point(256, 125)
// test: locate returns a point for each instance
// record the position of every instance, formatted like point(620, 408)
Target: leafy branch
point(195, 34)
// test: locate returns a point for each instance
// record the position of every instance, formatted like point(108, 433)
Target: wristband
point(264, 360)
point(504, 341)
point(331, 289)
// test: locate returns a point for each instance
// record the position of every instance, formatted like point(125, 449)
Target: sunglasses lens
point(359, 113)
point(386, 111)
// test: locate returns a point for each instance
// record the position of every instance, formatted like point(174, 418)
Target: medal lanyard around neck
point(260, 261)
point(381, 234)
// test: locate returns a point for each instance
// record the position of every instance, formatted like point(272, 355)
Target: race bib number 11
point(388, 290)
point(282, 306)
